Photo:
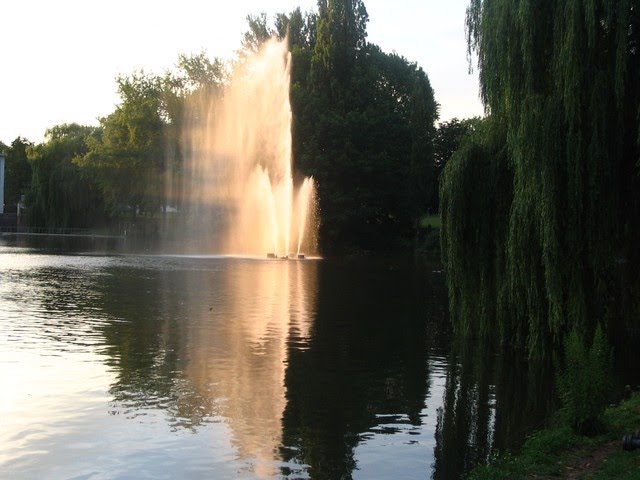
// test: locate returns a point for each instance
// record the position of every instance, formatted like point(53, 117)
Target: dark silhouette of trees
point(17, 172)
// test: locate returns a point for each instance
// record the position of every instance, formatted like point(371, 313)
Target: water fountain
point(238, 194)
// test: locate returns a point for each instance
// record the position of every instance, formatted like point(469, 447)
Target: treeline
point(91, 177)
point(540, 206)
point(363, 126)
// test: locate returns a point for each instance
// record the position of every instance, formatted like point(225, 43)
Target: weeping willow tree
point(476, 192)
point(558, 249)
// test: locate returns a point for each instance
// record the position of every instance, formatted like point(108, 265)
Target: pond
point(152, 366)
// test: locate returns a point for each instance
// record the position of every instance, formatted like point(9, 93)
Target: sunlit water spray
point(239, 190)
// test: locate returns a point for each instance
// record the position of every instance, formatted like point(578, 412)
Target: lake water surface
point(134, 366)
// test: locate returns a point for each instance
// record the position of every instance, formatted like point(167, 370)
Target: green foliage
point(341, 36)
point(127, 158)
point(449, 136)
point(17, 172)
point(539, 457)
point(137, 151)
point(557, 449)
point(424, 173)
point(258, 33)
point(430, 221)
point(584, 382)
point(298, 28)
point(475, 197)
point(61, 195)
point(447, 139)
point(620, 465)
point(193, 72)
point(559, 79)
point(363, 127)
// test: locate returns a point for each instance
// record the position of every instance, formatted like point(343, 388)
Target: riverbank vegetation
point(540, 205)
point(559, 452)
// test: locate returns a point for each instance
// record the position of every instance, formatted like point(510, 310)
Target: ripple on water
point(193, 367)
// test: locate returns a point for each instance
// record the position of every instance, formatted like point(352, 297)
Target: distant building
point(2, 159)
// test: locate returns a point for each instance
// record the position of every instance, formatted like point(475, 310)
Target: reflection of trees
point(301, 361)
point(239, 343)
point(491, 402)
point(364, 355)
point(367, 355)
point(463, 428)
point(142, 341)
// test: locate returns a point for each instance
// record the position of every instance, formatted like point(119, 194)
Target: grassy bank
point(432, 221)
point(557, 452)
point(428, 240)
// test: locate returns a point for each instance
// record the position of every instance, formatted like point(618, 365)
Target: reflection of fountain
point(239, 190)
point(237, 352)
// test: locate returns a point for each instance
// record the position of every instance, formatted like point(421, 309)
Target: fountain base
point(292, 256)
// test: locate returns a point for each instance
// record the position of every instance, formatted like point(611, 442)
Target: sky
point(59, 59)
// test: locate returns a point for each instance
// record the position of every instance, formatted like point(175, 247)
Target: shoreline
point(558, 452)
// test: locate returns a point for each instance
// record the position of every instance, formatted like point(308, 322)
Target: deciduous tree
point(17, 172)
point(60, 195)
point(560, 79)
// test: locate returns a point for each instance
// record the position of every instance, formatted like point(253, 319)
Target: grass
point(432, 221)
point(557, 452)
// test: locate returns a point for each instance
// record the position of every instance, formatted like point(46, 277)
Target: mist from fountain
point(238, 191)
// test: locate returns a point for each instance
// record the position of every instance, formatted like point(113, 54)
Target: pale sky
point(59, 59)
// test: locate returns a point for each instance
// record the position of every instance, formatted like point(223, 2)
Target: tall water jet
point(304, 203)
point(238, 194)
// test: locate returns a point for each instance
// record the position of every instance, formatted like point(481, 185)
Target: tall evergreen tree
point(341, 35)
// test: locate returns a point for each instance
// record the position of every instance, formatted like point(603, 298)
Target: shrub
point(584, 382)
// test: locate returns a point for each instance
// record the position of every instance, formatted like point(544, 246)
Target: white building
point(2, 158)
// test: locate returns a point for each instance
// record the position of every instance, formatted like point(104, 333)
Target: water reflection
point(366, 371)
point(303, 361)
point(240, 368)
point(242, 360)
point(491, 402)
point(310, 365)
point(49, 330)
point(211, 346)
